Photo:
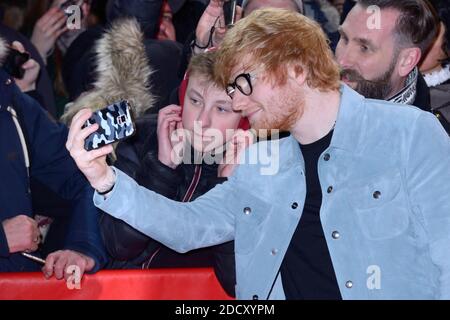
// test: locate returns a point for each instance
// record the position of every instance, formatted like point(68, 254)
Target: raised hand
point(234, 149)
point(212, 17)
point(47, 30)
point(91, 163)
point(170, 136)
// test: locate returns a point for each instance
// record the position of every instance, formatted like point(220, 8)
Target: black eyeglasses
point(243, 82)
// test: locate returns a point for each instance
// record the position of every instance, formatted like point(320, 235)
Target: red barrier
point(155, 284)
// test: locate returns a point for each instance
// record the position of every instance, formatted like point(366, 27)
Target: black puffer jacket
point(131, 249)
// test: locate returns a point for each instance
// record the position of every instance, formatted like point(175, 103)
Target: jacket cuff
point(4, 248)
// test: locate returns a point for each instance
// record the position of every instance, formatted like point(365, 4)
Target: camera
point(14, 62)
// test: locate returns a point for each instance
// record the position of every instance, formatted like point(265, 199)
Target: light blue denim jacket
point(385, 211)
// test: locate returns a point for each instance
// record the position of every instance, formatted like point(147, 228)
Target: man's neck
point(396, 88)
point(319, 116)
point(408, 89)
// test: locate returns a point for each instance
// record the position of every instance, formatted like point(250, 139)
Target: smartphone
point(229, 12)
point(115, 124)
point(14, 62)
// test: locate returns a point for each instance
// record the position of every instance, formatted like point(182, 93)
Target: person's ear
point(297, 73)
point(408, 59)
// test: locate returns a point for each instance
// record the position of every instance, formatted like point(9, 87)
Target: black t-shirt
point(307, 271)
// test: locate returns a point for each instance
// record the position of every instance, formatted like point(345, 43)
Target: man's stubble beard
point(282, 112)
point(380, 88)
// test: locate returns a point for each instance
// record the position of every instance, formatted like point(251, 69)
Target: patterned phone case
point(115, 123)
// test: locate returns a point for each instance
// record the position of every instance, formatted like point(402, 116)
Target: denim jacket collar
point(347, 131)
point(348, 128)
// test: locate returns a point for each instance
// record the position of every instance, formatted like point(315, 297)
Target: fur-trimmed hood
point(122, 71)
point(3, 50)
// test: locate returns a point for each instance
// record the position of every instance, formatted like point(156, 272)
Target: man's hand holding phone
point(91, 163)
point(115, 123)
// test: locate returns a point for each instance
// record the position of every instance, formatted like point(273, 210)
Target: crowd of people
point(293, 150)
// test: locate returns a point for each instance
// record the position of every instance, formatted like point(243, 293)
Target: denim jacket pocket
point(251, 212)
point(381, 205)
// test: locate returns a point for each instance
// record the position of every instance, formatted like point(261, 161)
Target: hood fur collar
point(122, 70)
